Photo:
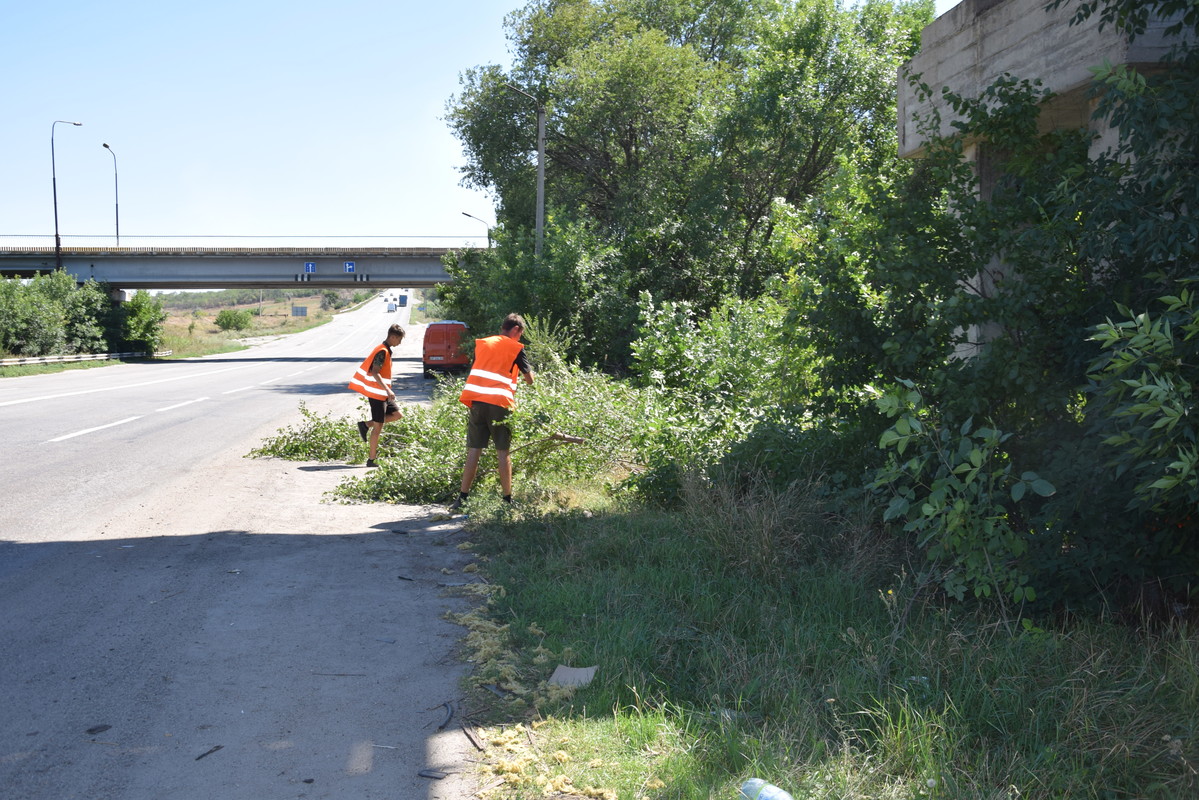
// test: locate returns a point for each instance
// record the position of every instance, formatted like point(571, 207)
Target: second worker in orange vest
point(490, 394)
point(372, 380)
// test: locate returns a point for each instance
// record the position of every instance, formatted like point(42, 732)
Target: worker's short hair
point(512, 321)
point(397, 330)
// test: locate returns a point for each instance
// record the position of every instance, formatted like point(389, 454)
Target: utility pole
point(540, 223)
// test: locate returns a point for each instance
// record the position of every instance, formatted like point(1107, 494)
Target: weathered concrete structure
point(977, 41)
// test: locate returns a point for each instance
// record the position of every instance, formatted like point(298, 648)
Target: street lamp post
point(54, 185)
point(116, 192)
point(472, 216)
point(540, 167)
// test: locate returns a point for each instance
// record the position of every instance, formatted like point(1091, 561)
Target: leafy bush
point(958, 493)
point(51, 315)
point(1146, 379)
point(316, 438)
point(790, 449)
point(714, 380)
point(141, 322)
point(422, 454)
point(233, 319)
point(1144, 387)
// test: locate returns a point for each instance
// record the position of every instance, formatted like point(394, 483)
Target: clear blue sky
point(241, 117)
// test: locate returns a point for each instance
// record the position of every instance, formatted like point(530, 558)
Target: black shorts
point(381, 408)
point(487, 422)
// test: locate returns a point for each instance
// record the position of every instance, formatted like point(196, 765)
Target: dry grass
point(195, 333)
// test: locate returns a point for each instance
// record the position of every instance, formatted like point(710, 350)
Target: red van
point(443, 347)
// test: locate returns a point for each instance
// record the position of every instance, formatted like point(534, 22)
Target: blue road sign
point(349, 266)
point(310, 266)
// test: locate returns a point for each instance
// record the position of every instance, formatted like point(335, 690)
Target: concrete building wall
point(977, 41)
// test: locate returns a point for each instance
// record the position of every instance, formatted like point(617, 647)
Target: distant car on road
point(442, 350)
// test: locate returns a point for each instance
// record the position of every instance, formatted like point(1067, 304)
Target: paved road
point(183, 622)
point(87, 442)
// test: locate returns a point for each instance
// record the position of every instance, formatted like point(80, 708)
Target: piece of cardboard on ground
point(572, 676)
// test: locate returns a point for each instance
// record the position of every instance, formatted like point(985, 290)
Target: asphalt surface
point(181, 621)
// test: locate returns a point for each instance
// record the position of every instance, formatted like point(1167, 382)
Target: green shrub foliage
point(1004, 376)
point(422, 454)
point(234, 319)
point(988, 303)
point(52, 315)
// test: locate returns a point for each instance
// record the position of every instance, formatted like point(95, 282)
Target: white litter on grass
point(572, 676)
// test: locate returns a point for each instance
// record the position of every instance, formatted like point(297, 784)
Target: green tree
point(577, 284)
point(51, 315)
point(32, 323)
point(88, 311)
point(34, 319)
point(142, 318)
point(674, 126)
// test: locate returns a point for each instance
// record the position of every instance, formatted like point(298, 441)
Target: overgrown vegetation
point(900, 477)
point(752, 630)
point(870, 278)
point(749, 636)
point(51, 315)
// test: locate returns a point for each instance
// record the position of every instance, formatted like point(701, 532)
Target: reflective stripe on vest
point(363, 383)
point(492, 377)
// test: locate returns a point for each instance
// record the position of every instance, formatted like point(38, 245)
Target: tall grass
point(751, 633)
point(762, 638)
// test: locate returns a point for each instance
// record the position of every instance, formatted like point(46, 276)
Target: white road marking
point(123, 386)
point(242, 389)
point(93, 430)
point(181, 405)
point(337, 345)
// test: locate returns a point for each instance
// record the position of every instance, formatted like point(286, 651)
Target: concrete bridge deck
point(270, 267)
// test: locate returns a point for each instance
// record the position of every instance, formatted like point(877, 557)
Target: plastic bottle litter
point(758, 789)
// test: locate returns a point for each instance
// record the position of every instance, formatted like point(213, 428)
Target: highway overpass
point(235, 267)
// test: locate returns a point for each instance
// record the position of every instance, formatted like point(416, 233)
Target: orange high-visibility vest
point(492, 377)
point(363, 383)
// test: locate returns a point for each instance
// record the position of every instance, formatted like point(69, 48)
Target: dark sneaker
point(457, 504)
point(370, 462)
point(363, 430)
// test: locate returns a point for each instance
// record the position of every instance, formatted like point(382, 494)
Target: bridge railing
point(159, 243)
point(24, 361)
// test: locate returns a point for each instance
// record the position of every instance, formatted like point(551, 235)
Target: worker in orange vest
point(490, 394)
point(372, 380)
